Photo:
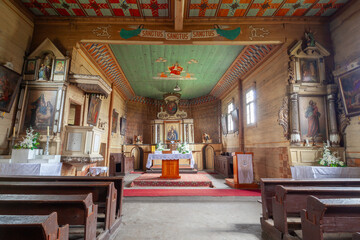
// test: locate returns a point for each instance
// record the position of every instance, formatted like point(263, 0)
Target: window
point(250, 107)
point(230, 122)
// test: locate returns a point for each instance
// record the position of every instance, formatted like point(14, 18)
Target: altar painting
point(40, 109)
point(94, 110)
point(312, 114)
point(172, 131)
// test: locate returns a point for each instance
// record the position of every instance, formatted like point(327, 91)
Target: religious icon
point(309, 70)
point(40, 109)
point(9, 86)
point(59, 67)
point(115, 117)
point(312, 114)
point(172, 134)
point(45, 67)
point(94, 110)
point(171, 107)
point(350, 92)
point(30, 67)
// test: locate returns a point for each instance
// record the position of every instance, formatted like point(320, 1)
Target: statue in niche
point(45, 67)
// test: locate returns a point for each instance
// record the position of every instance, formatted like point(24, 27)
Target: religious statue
point(206, 138)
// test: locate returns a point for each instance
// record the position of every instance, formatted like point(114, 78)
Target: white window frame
point(250, 106)
point(230, 123)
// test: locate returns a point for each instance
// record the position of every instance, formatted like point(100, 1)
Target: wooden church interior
point(252, 90)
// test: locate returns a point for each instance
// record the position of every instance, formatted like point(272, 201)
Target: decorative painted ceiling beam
point(102, 55)
point(179, 14)
point(249, 57)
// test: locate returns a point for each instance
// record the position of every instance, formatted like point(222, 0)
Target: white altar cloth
point(306, 172)
point(32, 169)
point(153, 156)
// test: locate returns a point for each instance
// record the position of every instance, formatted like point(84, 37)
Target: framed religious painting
point(235, 119)
point(115, 117)
point(313, 120)
point(350, 91)
point(94, 110)
point(172, 131)
point(30, 66)
point(122, 126)
point(9, 87)
point(309, 70)
point(40, 109)
point(171, 107)
point(223, 124)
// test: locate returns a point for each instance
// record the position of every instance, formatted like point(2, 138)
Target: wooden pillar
point(110, 126)
point(241, 117)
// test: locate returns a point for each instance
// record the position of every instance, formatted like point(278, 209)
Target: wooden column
point(241, 117)
point(107, 159)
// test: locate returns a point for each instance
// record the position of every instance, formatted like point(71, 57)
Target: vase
point(22, 155)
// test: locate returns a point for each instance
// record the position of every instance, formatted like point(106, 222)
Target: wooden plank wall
point(14, 43)
point(345, 34)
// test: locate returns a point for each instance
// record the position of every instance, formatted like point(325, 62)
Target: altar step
point(182, 169)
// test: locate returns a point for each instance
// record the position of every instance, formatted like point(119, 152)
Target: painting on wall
point(40, 109)
point(9, 87)
point(312, 114)
point(115, 117)
point(94, 110)
point(350, 92)
point(59, 67)
point(223, 124)
point(309, 70)
point(235, 119)
point(172, 131)
point(30, 66)
point(122, 126)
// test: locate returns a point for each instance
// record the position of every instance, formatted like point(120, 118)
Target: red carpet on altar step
point(186, 180)
point(189, 192)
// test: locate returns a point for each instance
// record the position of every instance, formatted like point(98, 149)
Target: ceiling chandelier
point(177, 88)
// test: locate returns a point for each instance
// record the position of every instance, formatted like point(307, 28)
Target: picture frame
point(349, 84)
point(171, 107)
point(40, 108)
point(93, 110)
point(235, 119)
point(172, 131)
point(30, 66)
point(115, 117)
point(309, 70)
point(122, 126)
point(60, 66)
point(313, 118)
point(10, 84)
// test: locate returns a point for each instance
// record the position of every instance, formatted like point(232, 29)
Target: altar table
point(309, 172)
point(153, 156)
point(33, 169)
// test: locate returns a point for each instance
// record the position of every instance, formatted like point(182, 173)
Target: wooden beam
point(179, 14)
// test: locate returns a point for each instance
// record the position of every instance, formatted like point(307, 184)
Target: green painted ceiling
point(139, 65)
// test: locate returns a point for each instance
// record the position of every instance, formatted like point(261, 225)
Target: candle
point(14, 132)
point(47, 130)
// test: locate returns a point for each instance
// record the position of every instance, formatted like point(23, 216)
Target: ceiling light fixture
point(177, 88)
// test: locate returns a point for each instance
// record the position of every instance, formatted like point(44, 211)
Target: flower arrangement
point(159, 147)
point(30, 141)
point(330, 159)
point(183, 148)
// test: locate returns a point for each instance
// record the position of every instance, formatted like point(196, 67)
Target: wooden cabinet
point(223, 165)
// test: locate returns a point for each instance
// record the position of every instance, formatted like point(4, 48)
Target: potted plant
point(330, 159)
point(27, 148)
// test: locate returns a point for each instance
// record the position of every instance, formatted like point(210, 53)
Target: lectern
point(170, 168)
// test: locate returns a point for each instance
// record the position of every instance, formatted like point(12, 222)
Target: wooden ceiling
point(192, 8)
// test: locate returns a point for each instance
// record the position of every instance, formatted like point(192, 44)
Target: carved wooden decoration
point(283, 117)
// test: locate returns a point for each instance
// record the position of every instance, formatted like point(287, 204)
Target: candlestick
point(47, 146)
point(47, 130)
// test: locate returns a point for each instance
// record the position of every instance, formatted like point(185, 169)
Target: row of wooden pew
point(85, 207)
point(314, 206)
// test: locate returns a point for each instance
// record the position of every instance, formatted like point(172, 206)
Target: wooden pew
point(70, 209)
point(117, 180)
point(104, 193)
point(32, 228)
point(330, 216)
point(290, 200)
point(356, 236)
point(268, 188)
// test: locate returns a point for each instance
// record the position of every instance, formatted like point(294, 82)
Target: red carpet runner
point(189, 192)
point(186, 180)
